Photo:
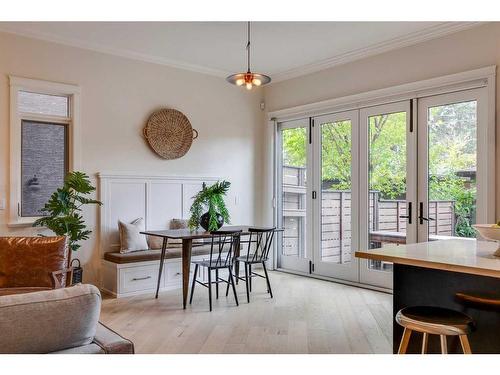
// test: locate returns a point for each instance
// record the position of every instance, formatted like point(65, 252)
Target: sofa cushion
point(30, 261)
point(48, 321)
point(147, 255)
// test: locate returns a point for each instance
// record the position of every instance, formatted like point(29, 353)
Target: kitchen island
point(433, 273)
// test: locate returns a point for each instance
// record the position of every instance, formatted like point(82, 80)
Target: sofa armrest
point(111, 342)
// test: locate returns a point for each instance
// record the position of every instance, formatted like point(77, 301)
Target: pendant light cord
point(248, 48)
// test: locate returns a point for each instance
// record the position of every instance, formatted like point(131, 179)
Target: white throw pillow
point(130, 238)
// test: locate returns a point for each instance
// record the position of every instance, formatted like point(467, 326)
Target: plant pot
point(205, 220)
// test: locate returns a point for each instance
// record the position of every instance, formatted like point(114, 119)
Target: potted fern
point(210, 198)
point(63, 210)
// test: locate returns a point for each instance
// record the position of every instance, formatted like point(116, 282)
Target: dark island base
point(423, 286)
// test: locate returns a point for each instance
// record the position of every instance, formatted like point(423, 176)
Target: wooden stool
point(434, 321)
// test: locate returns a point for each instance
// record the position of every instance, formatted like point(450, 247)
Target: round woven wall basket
point(169, 133)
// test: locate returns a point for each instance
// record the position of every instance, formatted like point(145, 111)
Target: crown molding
point(442, 29)
point(434, 32)
point(96, 47)
point(476, 78)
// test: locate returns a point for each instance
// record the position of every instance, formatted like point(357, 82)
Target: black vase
point(205, 220)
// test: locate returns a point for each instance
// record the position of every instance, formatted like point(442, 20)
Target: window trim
point(73, 133)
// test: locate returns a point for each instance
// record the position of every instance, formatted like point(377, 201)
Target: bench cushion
point(147, 255)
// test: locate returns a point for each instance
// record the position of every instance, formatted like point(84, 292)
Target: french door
point(451, 185)
point(336, 187)
point(295, 186)
point(385, 175)
point(387, 184)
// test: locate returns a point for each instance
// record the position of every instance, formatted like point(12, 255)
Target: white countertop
point(458, 255)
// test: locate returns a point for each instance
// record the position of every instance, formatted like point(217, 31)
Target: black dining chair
point(259, 244)
point(221, 256)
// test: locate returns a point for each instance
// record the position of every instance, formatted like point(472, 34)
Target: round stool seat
point(435, 320)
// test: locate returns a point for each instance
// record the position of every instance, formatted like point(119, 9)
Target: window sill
point(20, 224)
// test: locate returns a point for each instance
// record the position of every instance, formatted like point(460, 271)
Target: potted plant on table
point(63, 210)
point(210, 198)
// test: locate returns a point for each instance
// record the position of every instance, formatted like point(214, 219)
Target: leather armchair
point(29, 264)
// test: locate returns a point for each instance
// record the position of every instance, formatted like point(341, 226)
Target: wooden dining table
point(187, 236)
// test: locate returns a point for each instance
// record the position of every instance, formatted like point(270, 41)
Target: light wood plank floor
point(305, 316)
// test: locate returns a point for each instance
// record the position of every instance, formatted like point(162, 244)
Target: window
point(413, 163)
point(44, 162)
point(43, 139)
point(43, 104)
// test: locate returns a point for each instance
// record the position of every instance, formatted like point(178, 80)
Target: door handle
point(409, 214)
point(421, 214)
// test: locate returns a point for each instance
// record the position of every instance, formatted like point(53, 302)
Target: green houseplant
point(210, 198)
point(64, 209)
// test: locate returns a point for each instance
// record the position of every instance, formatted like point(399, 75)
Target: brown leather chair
point(29, 264)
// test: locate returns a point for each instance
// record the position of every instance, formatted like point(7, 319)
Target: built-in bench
point(137, 272)
point(159, 200)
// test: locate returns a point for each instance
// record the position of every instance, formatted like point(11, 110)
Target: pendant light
point(248, 79)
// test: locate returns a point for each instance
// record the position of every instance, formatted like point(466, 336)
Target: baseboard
point(139, 292)
point(337, 281)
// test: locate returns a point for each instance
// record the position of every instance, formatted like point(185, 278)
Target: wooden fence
point(336, 217)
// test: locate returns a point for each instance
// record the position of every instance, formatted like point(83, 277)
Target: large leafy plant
point(64, 209)
point(210, 198)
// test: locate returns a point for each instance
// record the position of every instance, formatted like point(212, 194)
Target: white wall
point(118, 95)
point(467, 50)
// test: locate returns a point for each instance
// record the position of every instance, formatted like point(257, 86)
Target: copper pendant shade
point(248, 79)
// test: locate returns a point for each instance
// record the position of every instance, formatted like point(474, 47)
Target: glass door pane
point(449, 201)
point(387, 182)
point(335, 201)
point(336, 213)
point(386, 185)
point(293, 205)
point(452, 158)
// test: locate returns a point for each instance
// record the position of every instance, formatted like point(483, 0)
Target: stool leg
point(425, 340)
point(464, 340)
point(444, 345)
point(404, 341)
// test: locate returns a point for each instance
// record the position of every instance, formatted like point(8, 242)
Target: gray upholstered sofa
point(57, 321)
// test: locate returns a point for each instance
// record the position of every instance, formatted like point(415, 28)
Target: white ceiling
point(280, 49)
